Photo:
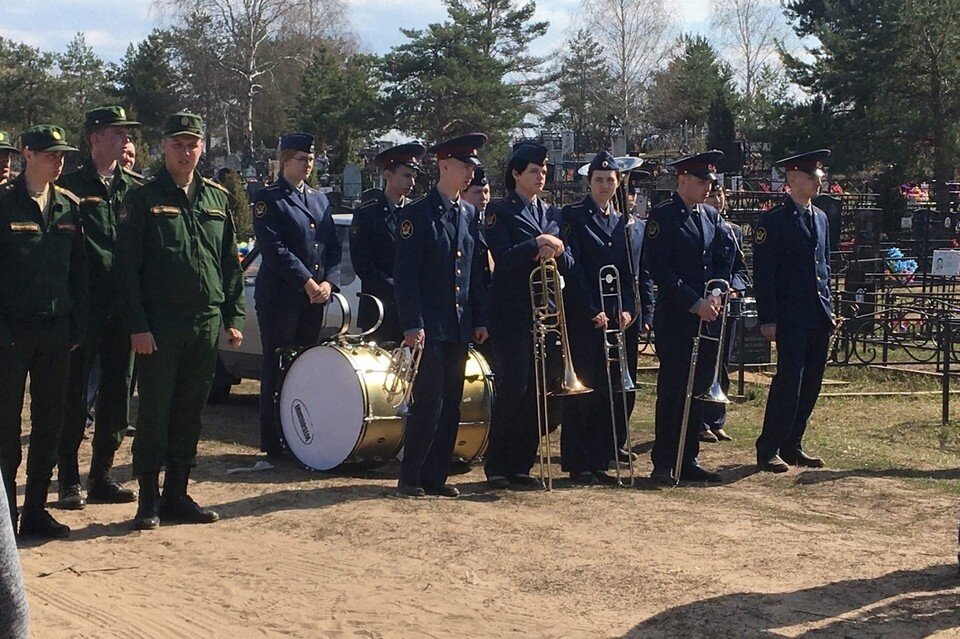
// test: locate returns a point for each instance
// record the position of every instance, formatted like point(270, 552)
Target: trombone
point(400, 375)
point(615, 353)
point(720, 289)
point(546, 300)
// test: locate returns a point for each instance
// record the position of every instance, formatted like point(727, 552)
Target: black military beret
point(530, 151)
point(297, 142)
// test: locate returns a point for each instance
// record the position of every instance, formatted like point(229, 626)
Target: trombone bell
point(714, 395)
point(570, 384)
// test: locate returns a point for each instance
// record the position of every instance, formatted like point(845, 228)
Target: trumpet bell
point(714, 395)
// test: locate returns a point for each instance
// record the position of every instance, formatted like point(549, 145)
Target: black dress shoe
point(498, 482)
point(722, 435)
point(662, 477)
point(409, 490)
point(444, 490)
point(182, 509)
point(40, 524)
point(800, 458)
point(109, 492)
point(604, 478)
point(708, 436)
point(71, 498)
point(699, 473)
point(524, 482)
point(584, 478)
point(625, 456)
point(773, 465)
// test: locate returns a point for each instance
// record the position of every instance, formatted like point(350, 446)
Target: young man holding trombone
point(686, 247)
point(601, 305)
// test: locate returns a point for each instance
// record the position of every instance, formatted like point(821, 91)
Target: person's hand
point(769, 332)
point(413, 339)
point(646, 328)
point(236, 338)
point(74, 347)
point(313, 290)
point(143, 343)
point(553, 242)
point(544, 253)
point(600, 320)
point(480, 334)
point(707, 309)
point(625, 319)
point(326, 289)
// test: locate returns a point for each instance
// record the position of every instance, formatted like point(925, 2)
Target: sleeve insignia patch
point(260, 209)
point(653, 229)
point(406, 229)
point(489, 220)
point(761, 235)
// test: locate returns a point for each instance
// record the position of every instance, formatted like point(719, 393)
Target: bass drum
point(333, 409)
point(475, 410)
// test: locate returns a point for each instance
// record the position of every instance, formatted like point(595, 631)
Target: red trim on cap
point(803, 165)
point(696, 167)
point(388, 162)
point(449, 152)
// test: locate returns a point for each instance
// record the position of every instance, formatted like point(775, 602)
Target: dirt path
point(814, 554)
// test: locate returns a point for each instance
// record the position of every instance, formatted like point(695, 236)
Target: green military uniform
point(183, 282)
point(43, 297)
point(107, 339)
point(6, 149)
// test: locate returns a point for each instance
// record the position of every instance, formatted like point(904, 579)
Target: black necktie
point(808, 218)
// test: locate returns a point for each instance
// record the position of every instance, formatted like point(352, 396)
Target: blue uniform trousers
point(431, 431)
point(801, 360)
point(281, 326)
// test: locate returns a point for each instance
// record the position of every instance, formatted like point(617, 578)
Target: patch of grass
point(899, 437)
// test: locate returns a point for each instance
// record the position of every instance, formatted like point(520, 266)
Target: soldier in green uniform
point(43, 298)
point(183, 282)
point(101, 184)
point(6, 156)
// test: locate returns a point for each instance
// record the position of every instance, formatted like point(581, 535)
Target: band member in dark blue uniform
point(684, 248)
point(440, 299)
point(715, 414)
point(478, 194)
point(791, 269)
point(373, 240)
point(596, 236)
point(520, 229)
point(300, 269)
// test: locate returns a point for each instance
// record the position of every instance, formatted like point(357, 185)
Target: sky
point(111, 25)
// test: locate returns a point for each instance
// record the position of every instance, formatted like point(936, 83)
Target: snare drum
point(333, 409)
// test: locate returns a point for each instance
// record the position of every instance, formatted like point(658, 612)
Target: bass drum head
point(322, 407)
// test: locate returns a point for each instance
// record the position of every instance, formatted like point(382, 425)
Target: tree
point(581, 90)
point(752, 30)
point(877, 61)
point(442, 82)
point(684, 90)
point(27, 85)
point(339, 103)
point(636, 35)
point(245, 25)
point(148, 82)
point(83, 80)
point(722, 134)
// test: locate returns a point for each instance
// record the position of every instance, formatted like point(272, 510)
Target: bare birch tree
point(636, 36)
point(751, 31)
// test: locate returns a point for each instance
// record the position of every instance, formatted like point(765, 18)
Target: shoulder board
point(369, 202)
point(133, 174)
point(67, 194)
point(215, 185)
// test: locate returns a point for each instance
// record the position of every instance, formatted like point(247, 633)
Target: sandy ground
point(299, 554)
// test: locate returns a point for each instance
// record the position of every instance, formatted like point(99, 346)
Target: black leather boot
point(176, 505)
point(102, 489)
point(148, 507)
point(36, 520)
point(68, 485)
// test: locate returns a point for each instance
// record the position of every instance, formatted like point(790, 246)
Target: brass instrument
point(720, 289)
point(546, 300)
point(400, 375)
point(615, 352)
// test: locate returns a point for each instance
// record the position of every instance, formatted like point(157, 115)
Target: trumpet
point(615, 353)
point(400, 375)
point(720, 289)
point(546, 300)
